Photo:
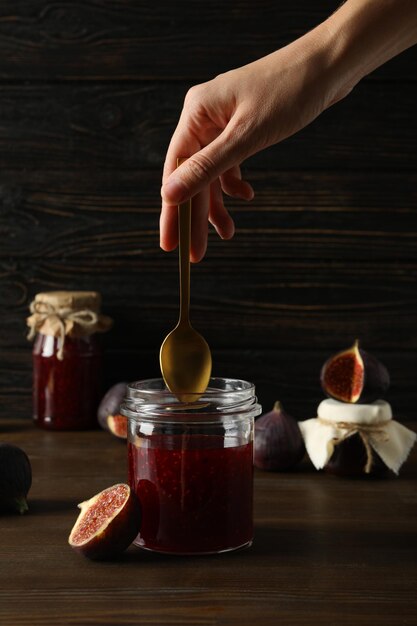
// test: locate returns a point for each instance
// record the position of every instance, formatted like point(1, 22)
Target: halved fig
point(108, 413)
point(117, 425)
point(107, 524)
point(354, 375)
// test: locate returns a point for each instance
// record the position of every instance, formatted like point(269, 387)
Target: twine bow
point(43, 311)
point(365, 432)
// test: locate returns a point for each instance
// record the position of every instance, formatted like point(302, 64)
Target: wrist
point(363, 34)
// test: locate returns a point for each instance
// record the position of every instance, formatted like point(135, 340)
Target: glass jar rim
point(229, 398)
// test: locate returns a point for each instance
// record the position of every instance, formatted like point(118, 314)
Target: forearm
point(364, 34)
point(333, 57)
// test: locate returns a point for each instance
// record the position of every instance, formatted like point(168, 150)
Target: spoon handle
point(184, 228)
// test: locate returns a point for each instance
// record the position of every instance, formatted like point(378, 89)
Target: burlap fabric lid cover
point(67, 313)
point(336, 421)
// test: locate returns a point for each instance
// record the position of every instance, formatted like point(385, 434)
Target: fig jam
point(195, 492)
point(66, 392)
point(67, 358)
point(191, 465)
point(349, 460)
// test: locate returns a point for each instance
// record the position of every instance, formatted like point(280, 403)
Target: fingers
point(168, 227)
point(199, 178)
point(201, 169)
point(233, 185)
point(182, 144)
point(218, 214)
point(207, 204)
point(199, 225)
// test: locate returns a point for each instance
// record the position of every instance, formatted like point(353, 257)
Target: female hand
point(237, 114)
point(226, 120)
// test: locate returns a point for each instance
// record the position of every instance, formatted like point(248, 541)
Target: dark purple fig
point(108, 413)
point(278, 445)
point(15, 479)
point(354, 376)
point(349, 459)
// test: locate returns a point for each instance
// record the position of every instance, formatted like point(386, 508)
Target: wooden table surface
point(326, 550)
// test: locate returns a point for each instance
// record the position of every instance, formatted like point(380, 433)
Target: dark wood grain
point(254, 304)
point(112, 40)
point(353, 216)
point(121, 126)
point(90, 94)
point(326, 550)
point(288, 375)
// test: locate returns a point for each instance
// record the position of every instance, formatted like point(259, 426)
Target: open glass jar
point(191, 465)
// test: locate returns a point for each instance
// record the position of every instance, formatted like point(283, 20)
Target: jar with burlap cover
point(67, 355)
point(67, 314)
point(379, 433)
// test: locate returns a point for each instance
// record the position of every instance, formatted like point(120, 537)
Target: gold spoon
point(185, 356)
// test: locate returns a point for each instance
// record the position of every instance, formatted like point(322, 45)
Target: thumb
point(202, 168)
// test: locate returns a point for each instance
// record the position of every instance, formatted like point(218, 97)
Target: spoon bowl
point(186, 363)
point(185, 356)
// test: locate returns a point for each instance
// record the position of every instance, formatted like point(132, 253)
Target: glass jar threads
point(191, 465)
point(67, 358)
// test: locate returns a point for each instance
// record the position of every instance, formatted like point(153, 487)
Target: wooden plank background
point(327, 251)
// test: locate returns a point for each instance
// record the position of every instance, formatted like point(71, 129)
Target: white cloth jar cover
point(336, 421)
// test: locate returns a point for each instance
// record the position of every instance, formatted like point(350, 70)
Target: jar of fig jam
point(67, 358)
point(351, 459)
point(191, 465)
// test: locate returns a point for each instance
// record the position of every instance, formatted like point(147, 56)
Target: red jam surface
point(196, 495)
point(66, 393)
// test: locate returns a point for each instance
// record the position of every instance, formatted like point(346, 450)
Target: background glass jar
point(67, 392)
point(67, 359)
point(191, 465)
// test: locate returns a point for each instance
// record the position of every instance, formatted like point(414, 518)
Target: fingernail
point(173, 192)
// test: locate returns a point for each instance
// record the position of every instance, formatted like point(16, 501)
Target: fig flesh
point(117, 425)
point(354, 375)
point(15, 479)
point(108, 414)
point(107, 524)
point(278, 444)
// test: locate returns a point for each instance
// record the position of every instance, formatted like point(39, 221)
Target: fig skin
point(110, 408)
point(15, 479)
point(365, 379)
point(118, 535)
point(377, 379)
point(278, 443)
point(349, 459)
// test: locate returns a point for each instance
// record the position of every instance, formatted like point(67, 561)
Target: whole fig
point(15, 479)
point(354, 375)
point(108, 413)
point(278, 445)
